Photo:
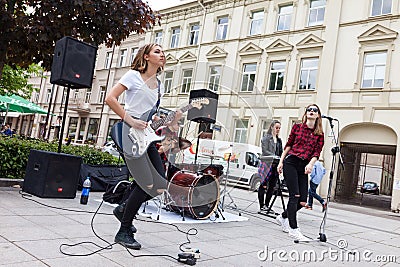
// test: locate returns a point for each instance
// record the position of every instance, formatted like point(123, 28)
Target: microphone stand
point(335, 150)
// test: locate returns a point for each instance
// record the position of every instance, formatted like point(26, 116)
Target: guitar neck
point(157, 124)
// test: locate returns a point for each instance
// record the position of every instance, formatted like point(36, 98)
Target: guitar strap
point(155, 109)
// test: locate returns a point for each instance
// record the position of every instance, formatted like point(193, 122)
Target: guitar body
point(141, 139)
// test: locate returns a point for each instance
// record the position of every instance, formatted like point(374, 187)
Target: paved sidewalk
point(31, 235)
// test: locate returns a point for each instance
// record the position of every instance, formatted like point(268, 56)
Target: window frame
point(107, 62)
point(248, 73)
point(88, 95)
point(102, 93)
point(123, 53)
point(242, 131)
point(362, 86)
point(158, 39)
point(186, 81)
point(381, 11)
point(168, 81)
point(316, 22)
point(195, 33)
point(277, 71)
point(284, 15)
point(217, 76)
point(175, 36)
point(134, 51)
point(252, 22)
point(309, 70)
point(224, 26)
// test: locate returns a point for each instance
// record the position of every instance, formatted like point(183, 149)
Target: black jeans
point(297, 184)
point(147, 170)
point(269, 190)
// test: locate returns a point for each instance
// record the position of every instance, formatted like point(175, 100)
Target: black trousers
point(147, 170)
point(269, 190)
point(297, 184)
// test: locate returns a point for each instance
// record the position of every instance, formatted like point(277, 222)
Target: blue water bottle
point(85, 190)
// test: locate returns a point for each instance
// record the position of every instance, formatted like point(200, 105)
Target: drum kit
point(194, 190)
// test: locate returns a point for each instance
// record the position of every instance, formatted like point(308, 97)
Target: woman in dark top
point(271, 146)
point(301, 151)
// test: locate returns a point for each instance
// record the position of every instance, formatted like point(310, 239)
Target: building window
point(277, 75)
point(249, 77)
point(317, 12)
point(308, 73)
point(215, 76)
point(175, 37)
point(222, 28)
point(264, 127)
point(284, 17)
point(374, 70)
point(107, 63)
point(240, 134)
point(88, 95)
point(82, 127)
point(48, 95)
point(194, 34)
point(187, 80)
point(133, 54)
point(91, 135)
point(72, 127)
point(168, 76)
point(158, 37)
point(381, 7)
point(64, 95)
point(256, 22)
point(122, 57)
point(102, 94)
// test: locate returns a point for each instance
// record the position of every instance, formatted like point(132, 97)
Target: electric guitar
point(137, 141)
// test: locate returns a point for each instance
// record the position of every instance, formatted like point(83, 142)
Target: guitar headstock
point(199, 102)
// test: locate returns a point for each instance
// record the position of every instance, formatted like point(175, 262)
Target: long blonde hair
point(139, 63)
point(318, 122)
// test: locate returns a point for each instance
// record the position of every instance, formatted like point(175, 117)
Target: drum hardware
point(224, 192)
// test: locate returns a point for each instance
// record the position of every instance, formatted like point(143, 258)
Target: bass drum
point(197, 195)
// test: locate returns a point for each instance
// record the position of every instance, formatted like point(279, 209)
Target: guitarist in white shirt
point(142, 93)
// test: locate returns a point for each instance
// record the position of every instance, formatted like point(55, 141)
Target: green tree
point(15, 80)
point(30, 28)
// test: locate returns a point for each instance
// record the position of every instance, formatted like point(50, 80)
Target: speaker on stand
point(73, 66)
point(207, 113)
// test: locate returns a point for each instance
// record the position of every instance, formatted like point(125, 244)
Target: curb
point(8, 182)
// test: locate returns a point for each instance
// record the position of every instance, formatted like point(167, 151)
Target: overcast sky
point(161, 4)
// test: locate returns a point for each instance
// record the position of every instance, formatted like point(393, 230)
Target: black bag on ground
point(103, 176)
point(118, 193)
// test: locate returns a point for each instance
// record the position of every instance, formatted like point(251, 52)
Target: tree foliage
point(30, 28)
point(15, 80)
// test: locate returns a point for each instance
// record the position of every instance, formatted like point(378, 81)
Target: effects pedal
point(187, 258)
point(194, 251)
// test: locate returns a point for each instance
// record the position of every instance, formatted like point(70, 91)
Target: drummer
point(170, 144)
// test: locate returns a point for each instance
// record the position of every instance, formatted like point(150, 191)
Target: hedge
point(15, 151)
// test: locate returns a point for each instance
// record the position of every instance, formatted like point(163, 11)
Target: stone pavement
point(31, 235)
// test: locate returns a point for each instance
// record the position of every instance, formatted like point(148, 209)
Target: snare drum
point(196, 194)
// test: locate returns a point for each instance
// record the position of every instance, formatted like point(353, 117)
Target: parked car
point(370, 187)
point(110, 148)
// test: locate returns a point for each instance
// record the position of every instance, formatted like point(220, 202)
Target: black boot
point(125, 238)
point(119, 213)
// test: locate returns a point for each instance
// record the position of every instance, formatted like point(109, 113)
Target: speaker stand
point(63, 120)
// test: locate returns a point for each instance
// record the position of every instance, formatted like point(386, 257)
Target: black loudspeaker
point(73, 63)
point(52, 175)
point(208, 113)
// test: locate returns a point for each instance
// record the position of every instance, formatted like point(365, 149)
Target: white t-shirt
point(139, 98)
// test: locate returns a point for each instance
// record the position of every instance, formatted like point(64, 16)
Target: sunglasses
point(315, 110)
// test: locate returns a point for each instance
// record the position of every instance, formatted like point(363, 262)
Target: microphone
point(329, 118)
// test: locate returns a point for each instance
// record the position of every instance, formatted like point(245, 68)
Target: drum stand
point(224, 192)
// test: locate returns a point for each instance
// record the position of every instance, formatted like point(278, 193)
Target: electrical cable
point(191, 232)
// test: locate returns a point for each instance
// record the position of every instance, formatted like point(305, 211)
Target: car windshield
point(369, 184)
